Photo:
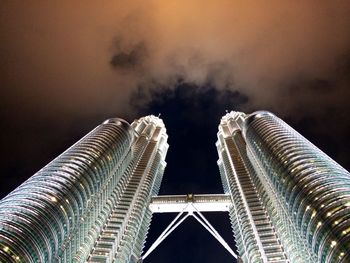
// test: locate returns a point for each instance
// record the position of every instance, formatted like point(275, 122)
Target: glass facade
point(304, 195)
point(90, 204)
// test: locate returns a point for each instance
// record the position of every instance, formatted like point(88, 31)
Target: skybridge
point(186, 206)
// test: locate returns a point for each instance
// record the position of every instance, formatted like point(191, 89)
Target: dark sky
point(68, 65)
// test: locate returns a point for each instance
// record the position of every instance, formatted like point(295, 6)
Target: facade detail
point(290, 201)
point(90, 204)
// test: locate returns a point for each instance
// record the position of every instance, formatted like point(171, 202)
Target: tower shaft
point(301, 194)
point(91, 202)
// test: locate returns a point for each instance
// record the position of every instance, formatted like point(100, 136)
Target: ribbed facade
point(90, 204)
point(256, 238)
point(284, 187)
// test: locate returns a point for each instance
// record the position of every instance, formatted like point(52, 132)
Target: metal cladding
point(66, 212)
point(280, 182)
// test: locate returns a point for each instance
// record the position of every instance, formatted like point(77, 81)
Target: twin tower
point(287, 200)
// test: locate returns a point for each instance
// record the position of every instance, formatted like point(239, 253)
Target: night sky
point(68, 65)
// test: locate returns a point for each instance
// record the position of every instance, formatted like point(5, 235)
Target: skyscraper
point(287, 200)
point(290, 201)
point(90, 204)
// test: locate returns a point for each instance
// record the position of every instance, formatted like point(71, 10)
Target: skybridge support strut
point(172, 226)
point(189, 205)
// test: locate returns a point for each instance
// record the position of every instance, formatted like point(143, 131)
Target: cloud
point(129, 60)
point(72, 60)
point(278, 53)
point(289, 58)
